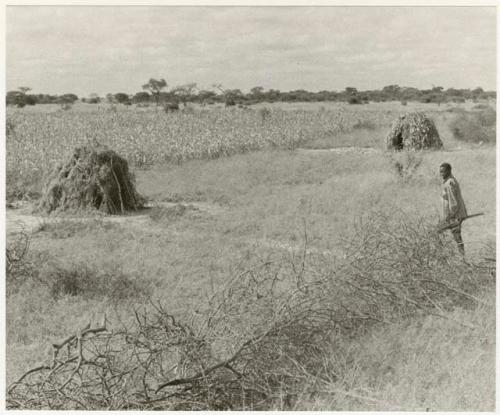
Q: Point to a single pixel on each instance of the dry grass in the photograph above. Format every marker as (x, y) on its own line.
(261, 335)
(429, 364)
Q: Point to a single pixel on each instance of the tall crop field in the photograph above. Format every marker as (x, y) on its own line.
(36, 141)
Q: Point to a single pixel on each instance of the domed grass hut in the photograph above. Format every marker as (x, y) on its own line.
(413, 131)
(95, 177)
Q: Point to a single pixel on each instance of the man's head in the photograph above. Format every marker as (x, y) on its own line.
(445, 170)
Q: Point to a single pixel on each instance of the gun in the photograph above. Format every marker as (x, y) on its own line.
(450, 225)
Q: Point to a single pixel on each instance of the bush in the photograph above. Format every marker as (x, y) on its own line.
(76, 279)
(79, 279)
(170, 107)
(405, 164)
(355, 100)
(19, 268)
(475, 127)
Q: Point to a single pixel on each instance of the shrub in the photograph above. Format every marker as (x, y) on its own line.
(170, 107)
(355, 100)
(405, 164)
(475, 127)
(18, 267)
(79, 279)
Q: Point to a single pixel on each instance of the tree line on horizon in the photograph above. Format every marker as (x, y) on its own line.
(154, 92)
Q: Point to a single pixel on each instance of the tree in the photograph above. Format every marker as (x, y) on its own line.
(67, 100)
(351, 90)
(94, 98)
(155, 86)
(140, 97)
(256, 92)
(24, 89)
(391, 92)
(121, 98)
(184, 92)
(230, 95)
(206, 96)
(273, 95)
(478, 93)
(15, 98)
(19, 97)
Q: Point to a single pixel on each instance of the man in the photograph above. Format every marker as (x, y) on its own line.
(454, 210)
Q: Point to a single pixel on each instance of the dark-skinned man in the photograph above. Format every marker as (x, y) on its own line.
(454, 211)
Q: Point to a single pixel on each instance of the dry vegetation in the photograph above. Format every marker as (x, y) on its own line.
(315, 281)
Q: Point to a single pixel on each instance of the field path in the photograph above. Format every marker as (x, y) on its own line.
(20, 219)
(340, 150)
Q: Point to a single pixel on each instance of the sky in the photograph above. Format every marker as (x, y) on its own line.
(91, 49)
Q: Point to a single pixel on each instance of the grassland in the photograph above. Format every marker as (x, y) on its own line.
(267, 198)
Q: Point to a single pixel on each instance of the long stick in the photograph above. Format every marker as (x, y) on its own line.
(453, 224)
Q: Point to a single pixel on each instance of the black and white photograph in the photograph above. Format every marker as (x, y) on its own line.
(249, 207)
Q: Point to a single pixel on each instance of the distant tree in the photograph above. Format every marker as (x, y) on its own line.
(155, 86)
(355, 99)
(410, 94)
(67, 100)
(24, 89)
(351, 90)
(184, 92)
(478, 93)
(257, 92)
(141, 97)
(19, 98)
(273, 95)
(94, 98)
(15, 98)
(205, 96)
(170, 107)
(121, 97)
(230, 95)
(45, 99)
(30, 99)
(391, 92)
(110, 98)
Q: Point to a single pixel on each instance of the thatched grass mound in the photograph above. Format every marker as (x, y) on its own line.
(95, 177)
(413, 131)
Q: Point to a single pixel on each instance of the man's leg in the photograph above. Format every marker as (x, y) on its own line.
(457, 235)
